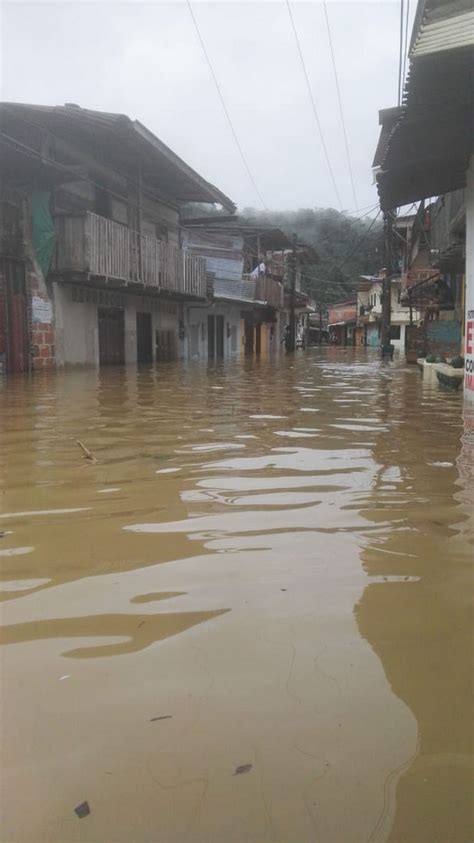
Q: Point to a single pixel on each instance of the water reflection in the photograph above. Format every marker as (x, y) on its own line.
(292, 596)
(140, 630)
(421, 632)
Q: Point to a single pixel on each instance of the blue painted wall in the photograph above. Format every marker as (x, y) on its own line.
(373, 339)
(443, 337)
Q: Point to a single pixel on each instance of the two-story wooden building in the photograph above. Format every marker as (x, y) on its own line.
(248, 276)
(92, 265)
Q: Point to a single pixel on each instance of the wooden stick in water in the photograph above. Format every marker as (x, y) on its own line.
(87, 454)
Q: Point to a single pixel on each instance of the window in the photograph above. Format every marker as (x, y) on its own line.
(233, 338)
(395, 332)
(103, 205)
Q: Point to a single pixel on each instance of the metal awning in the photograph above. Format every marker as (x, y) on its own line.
(449, 33)
(425, 149)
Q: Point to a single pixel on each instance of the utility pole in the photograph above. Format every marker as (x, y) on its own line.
(291, 338)
(386, 348)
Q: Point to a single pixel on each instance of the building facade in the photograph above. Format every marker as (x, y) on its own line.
(426, 149)
(93, 270)
(342, 320)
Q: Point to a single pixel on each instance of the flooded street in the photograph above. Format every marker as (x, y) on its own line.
(249, 619)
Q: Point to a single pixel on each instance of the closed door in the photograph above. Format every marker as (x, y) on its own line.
(219, 336)
(144, 338)
(13, 317)
(211, 337)
(111, 337)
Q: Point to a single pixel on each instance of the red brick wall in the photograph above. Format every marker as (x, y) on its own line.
(343, 313)
(42, 345)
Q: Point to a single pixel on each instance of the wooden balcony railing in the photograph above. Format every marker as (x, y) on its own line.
(106, 249)
(269, 290)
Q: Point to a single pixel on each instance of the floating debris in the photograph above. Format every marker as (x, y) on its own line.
(163, 717)
(244, 768)
(82, 810)
(88, 455)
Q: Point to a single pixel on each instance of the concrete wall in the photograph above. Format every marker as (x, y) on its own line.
(196, 329)
(76, 322)
(399, 344)
(77, 332)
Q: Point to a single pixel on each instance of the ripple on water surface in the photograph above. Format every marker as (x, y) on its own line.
(220, 599)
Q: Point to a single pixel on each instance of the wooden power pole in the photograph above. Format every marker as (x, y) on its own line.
(291, 339)
(387, 288)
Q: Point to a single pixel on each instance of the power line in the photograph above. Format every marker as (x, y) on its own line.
(313, 104)
(216, 83)
(352, 222)
(400, 55)
(341, 112)
(359, 243)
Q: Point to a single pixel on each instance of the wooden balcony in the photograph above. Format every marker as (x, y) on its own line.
(101, 248)
(269, 290)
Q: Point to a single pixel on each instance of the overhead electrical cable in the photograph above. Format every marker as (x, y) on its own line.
(313, 104)
(226, 112)
(359, 242)
(341, 111)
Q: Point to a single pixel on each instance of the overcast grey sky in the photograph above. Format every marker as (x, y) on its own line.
(144, 60)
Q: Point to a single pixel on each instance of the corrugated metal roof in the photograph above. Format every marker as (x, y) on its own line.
(123, 136)
(425, 153)
(450, 33)
(225, 269)
(235, 290)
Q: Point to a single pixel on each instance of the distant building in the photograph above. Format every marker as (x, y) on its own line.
(246, 306)
(342, 320)
(400, 312)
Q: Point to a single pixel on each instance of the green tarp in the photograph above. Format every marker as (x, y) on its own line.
(43, 229)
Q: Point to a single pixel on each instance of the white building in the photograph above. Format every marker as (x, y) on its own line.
(399, 313)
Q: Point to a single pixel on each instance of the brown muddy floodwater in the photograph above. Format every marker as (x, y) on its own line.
(267, 568)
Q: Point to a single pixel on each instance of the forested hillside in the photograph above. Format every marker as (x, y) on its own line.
(347, 246)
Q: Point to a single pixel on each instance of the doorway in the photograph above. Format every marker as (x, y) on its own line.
(111, 336)
(249, 334)
(144, 338)
(215, 337)
(219, 336)
(13, 317)
(211, 334)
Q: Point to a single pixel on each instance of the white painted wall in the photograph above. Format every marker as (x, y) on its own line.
(469, 326)
(196, 329)
(77, 330)
(399, 344)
